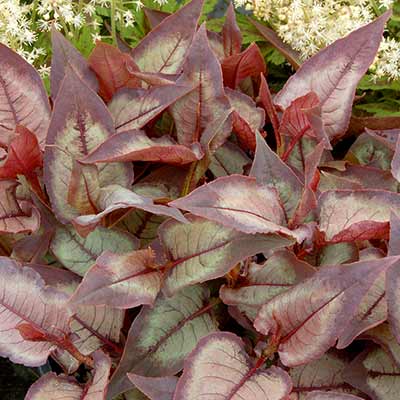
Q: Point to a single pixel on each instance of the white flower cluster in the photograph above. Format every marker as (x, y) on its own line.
(310, 25)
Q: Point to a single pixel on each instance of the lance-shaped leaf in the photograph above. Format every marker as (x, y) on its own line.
(228, 159)
(247, 118)
(16, 216)
(348, 215)
(333, 74)
(206, 103)
(269, 169)
(310, 316)
(219, 368)
(203, 250)
(256, 209)
(26, 303)
(66, 57)
(80, 122)
(23, 98)
(78, 254)
(164, 48)
(23, 155)
(135, 145)
(331, 396)
(59, 387)
(121, 281)
(154, 388)
(112, 69)
(161, 337)
(231, 35)
(237, 67)
(323, 375)
(279, 273)
(375, 374)
(134, 108)
(393, 298)
(115, 197)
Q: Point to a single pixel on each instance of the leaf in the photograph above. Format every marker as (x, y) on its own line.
(120, 281)
(256, 210)
(204, 106)
(115, 197)
(112, 69)
(135, 145)
(228, 159)
(16, 216)
(333, 74)
(279, 273)
(375, 374)
(59, 387)
(237, 67)
(269, 169)
(394, 240)
(78, 254)
(203, 250)
(219, 368)
(155, 388)
(231, 35)
(292, 56)
(80, 122)
(309, 325)
(331, 396)
(161, 337)
(134, 108)
(323, 376)
(26, 300)
(247, 118)
(164, 48)
(23, 98)
(348, 215)
(66, 58)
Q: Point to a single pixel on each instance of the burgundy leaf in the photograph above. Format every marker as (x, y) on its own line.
(121, 281)
(155, 388)
(135, 145)
(164, 48)
(231, 35)
(23, 98)
(333, 74)
(112, 69)
(204, 106)
(155, 17)
(394, 241)
(219, 368)
(65, 57)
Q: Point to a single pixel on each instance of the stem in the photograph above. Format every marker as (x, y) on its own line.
(113, 20)
(71, 349)
(34, 12)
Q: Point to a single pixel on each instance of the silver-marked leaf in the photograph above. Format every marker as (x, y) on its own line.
(204, 106)
(349, 215)
(333, 74)
(393, 298)
(161, 337)
(203, 250)
(25, 302)
(220, 369)
(324, 375)
(66, 57)
(23, 98)
(164, 48)
(310, 316)
(279, 273)
(137, 146)
(155, 388)
(331, 396)
(134, 108)
(338, 253)
(120, 280)
(80, 122)
(394, 240)
(375, 374)
(115, 197)
(237, 202)
(269, 169)
(16, 216)
(78, 254)
(62, 387)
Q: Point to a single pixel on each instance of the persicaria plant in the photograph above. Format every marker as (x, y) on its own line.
(172, 230)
